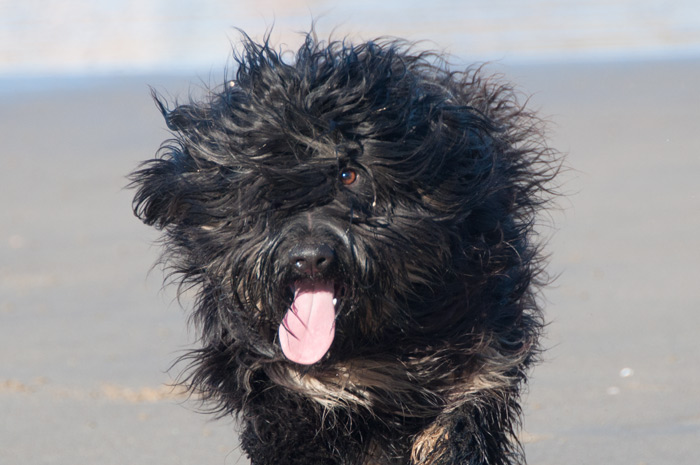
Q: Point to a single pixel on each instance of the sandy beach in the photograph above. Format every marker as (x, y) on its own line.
(88, 335)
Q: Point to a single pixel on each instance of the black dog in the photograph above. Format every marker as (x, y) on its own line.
(357, 222)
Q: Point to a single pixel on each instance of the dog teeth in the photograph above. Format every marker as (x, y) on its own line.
(335, 301)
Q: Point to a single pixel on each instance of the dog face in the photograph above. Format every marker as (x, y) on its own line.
(353, 202)
(357, 223)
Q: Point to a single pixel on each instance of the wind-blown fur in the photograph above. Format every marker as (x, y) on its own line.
(431, 250)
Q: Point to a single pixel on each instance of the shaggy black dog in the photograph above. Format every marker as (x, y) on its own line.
(357, 222)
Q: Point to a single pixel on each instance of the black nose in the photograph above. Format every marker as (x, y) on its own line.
(311, 259)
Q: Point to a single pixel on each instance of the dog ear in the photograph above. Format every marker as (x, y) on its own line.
(179, 119)
(161, 183)
(160, 198)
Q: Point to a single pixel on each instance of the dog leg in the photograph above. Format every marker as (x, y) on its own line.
(477, 436)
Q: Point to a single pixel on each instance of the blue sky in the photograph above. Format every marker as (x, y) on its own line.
(40, 37)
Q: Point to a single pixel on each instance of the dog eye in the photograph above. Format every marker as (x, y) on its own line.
(348, 176)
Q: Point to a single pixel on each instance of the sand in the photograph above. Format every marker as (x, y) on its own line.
(87, 335)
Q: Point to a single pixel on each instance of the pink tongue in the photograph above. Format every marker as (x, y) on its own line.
(308, 328)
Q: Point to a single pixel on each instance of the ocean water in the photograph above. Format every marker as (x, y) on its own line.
(54, 37)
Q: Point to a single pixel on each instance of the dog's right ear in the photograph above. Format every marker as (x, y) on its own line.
(158, 201)
(165, 192)
(178, 119)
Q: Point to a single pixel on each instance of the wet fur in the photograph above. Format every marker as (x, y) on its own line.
(437, 264)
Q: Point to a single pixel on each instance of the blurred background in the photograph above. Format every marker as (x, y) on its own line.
(49, 37)
(87, 334)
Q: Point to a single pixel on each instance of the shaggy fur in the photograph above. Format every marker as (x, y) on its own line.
(408, 189)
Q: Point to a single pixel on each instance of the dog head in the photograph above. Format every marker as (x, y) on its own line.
(349, 199)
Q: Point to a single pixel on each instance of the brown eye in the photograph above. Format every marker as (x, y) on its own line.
(348, 176)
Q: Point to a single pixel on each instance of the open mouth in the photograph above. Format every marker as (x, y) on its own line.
(308, 328)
